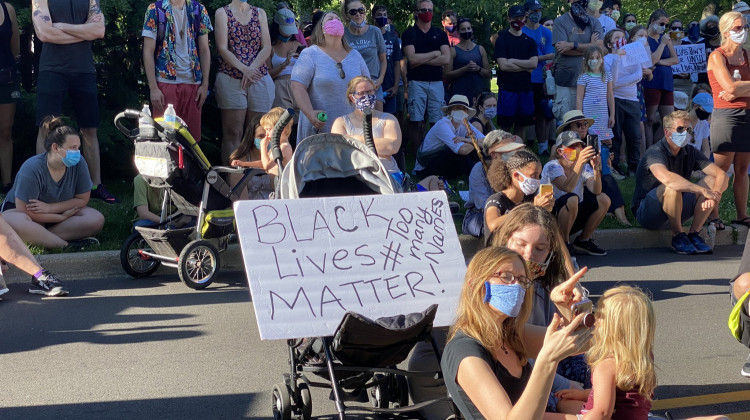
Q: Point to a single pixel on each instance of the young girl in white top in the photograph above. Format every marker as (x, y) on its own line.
(594, 95)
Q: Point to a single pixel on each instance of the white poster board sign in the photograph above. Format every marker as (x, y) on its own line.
(692, 59)
(309, 261)
(636, 53)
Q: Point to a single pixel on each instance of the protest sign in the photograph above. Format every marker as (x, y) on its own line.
(692, 59)
(635, 53)
(309, 261)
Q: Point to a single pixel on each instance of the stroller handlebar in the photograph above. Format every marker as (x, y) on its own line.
(134, 114)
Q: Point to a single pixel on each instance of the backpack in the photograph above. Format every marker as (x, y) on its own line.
(161, 24)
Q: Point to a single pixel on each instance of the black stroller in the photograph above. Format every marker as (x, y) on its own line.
(173, 161)
(359, 361)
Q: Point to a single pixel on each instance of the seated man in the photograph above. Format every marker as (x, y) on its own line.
(447, 149)
(665, 197)
(576, 208)
(14, 251)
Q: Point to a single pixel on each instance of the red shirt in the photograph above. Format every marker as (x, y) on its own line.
(629, 405)
(738, 103)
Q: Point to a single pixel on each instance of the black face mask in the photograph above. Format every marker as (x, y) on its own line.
(711, 32)
(467, 35)
(701, 114)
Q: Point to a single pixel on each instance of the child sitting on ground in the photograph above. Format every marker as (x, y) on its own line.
(248, 155)
(147, 202)
(268, 121)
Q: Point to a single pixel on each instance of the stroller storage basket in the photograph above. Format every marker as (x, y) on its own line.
(219, 223)
(168, 242)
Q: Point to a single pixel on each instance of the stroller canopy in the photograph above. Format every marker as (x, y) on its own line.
(334, 165)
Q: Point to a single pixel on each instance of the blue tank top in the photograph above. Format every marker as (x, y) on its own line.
(663, 79)
(6, 33)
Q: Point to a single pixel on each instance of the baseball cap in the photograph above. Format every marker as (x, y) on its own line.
(741, 6)
(567, 139)
(680, 100)
(532, 5)
(500, 138)
(705, 101)
(285, 19)
(516, 11)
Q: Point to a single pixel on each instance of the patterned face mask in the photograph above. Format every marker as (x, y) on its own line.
(364, 102)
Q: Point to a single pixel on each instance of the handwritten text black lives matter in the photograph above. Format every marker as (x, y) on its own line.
(405, 255)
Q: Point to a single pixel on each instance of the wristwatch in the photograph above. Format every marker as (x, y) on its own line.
(575, 45)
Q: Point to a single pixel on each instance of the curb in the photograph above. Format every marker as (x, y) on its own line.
(73, 266)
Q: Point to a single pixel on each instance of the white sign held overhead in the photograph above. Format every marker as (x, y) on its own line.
(309, 261)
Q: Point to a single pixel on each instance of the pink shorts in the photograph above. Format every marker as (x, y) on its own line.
(182, 97)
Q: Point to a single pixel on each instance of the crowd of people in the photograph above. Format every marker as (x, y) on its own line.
(598, 115)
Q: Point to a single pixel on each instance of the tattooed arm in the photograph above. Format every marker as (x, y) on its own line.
(91, 30)
(40, 17)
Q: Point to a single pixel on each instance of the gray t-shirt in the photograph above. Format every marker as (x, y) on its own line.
(34, 182)
(370, 44)
(568, 67)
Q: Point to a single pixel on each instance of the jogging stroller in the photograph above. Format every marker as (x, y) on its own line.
(359, 361)
(173, 161)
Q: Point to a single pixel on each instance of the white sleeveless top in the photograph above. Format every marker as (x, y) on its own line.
(276, 61)
(377, 131)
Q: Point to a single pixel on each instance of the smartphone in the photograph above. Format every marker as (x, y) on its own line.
(585, 306)
(593, 141)
(544, 189)
(300, 48)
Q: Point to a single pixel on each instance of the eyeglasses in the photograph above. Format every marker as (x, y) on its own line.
(509, 278)
(363, 93)
(680, 129)
(424, 10)
(355, 12)
(340, 68)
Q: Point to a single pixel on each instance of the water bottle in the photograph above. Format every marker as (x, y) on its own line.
(146, 130)
(711, 234)
(550, 81)
(736, 75)
(170, 118)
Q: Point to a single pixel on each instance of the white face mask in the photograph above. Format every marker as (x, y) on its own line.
(659, 29)
(458, 116)
(529, 185)
(738, 37)
(680, 139)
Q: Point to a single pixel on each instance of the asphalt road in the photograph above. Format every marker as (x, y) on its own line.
(152, 348)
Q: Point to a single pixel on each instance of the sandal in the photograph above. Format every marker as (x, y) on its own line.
(718, 223)
(743, 222)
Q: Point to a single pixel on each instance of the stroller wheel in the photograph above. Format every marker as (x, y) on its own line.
(132, 262)
(282, 406)
(380, 393)
(306, 399)
(198, 264)
(401, 393)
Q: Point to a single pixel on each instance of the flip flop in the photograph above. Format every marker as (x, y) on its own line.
(718, 223)
(743, 222)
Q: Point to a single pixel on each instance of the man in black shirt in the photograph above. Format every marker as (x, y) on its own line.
(515, 52)
(427, 51)
(664, 195)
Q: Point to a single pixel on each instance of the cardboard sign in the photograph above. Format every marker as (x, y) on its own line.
(692, 59)
(309, 261)
(636, 53)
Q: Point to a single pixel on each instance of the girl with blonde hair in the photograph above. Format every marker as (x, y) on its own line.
(485, 363)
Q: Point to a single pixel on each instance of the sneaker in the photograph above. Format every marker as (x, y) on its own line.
(700, 246)
(81, 244)
(746, 368)
(100, 192)
(588, 247)
(618, 174)
(47, 284)
(681, 244)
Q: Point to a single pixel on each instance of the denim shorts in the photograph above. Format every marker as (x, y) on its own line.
(650, 213)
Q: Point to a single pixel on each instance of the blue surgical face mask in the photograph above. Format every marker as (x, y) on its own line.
(490, 112)
(257, 143)
(506, 298)
(534, 17)
(680, 139)
(72, 157)
(358, 25)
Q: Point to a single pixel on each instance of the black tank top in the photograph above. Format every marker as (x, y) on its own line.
(6, 33)
(70, 58)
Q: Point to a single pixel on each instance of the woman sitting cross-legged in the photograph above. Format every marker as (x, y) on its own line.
(47, 204)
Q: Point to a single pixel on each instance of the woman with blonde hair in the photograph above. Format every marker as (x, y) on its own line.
(485, 363)
(321, 75)
(386, 132)
(730, 119)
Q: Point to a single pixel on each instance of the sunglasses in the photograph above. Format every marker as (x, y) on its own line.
(509, 278)
(738, 28)
(677, 28)
(680, 129)
(424, 10)
(355, 12)
(340, 68)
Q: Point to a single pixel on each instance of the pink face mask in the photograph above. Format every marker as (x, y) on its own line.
(333, 27)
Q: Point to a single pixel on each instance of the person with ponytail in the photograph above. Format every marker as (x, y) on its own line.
(47, 205)
(321, 75)
(368, 40)
(515, 181)
(386, 132)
